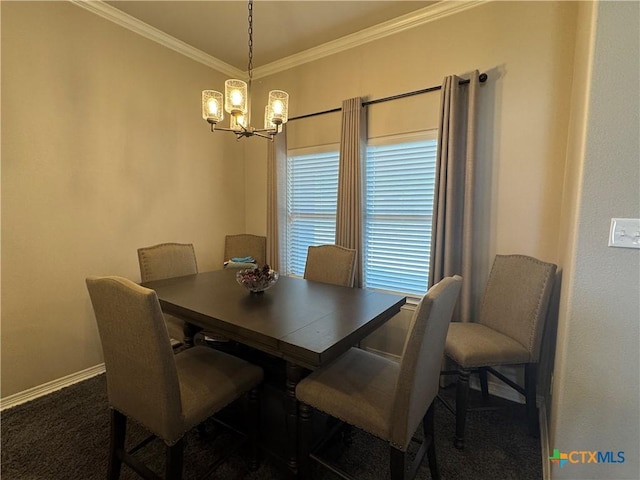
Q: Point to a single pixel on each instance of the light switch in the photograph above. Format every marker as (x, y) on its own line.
(625, 233)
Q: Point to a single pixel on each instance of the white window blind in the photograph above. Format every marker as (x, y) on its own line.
(399, 180)
(399, 175)
(311, 199)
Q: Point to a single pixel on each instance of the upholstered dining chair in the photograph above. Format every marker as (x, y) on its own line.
(165, 393)
(386, 398)
(330, 264)
(245, 245)
(508, 331)
(167, 260)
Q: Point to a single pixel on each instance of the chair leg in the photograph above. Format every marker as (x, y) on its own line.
(530, 381)
(346, 434)
(484, 384)
(462, 397)
(190, 331)
(398, 460)
(173, 466)
(116, 444)
(304, 440)
(203, 433)
(254, 428)
(428, 424)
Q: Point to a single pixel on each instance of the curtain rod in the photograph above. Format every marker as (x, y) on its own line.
(482, 78)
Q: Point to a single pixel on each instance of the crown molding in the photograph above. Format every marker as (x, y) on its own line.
(411, 20)
(391, 27)
(131, 23)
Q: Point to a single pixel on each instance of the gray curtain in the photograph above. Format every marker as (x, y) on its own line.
(353, 137)
(453, 217)
(276, 156)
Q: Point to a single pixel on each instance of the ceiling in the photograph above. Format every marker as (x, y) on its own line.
(280, 28)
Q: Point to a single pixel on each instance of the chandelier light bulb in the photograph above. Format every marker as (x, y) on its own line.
(278, 106)
(212, 106)
(235, 96)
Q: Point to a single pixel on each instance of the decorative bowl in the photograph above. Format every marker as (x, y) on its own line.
(258, 279)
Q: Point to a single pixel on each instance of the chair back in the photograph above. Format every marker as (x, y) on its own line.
(516, 299)
(167, 260)
(331, 264)
(245, 244)
(419, 375)
(142, 380)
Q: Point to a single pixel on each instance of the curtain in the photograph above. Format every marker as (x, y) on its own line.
(353, 137)
(452, 234)
(276, 157)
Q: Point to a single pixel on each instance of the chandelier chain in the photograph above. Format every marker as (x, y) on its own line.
(250, 64)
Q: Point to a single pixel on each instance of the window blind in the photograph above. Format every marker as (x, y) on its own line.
(312, 194)
(399, 189)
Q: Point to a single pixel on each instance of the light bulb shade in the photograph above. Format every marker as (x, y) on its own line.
(235, 97)
(278, 107)
(268, 124)
(237, 122)
(212, 110)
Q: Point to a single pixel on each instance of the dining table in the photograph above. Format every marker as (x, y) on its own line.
(306, 323)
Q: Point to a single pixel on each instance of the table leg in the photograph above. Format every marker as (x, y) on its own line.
(294, 375)
(189, 331)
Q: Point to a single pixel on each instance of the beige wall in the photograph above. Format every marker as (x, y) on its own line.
(595, 403)
(103, 151)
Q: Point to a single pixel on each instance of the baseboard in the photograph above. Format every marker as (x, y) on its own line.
(50, 387)
(544, 441)
(498, 389)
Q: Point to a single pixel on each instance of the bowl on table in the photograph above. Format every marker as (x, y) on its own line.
(257, 279)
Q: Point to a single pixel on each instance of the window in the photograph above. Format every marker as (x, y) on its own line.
(398, 207)
(311, 203)
(399, 175)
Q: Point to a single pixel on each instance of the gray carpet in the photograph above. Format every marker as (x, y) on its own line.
(65, 436)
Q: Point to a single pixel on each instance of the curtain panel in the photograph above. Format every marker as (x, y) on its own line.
(353, 138)
(276, 157)
(453, 217)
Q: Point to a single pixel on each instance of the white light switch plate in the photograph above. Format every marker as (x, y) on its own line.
(625, 233)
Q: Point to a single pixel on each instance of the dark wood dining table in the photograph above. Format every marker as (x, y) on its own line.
(306, 323)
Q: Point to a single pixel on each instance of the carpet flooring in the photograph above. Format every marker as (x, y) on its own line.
(65, 435)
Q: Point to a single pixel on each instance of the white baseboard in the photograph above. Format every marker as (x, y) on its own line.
(50, 387)
(498, 389)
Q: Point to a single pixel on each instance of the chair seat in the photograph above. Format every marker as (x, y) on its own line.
(203, 390)
(473, 345)
(356, 388)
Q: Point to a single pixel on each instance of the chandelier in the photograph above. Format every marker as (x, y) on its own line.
(237, 103)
